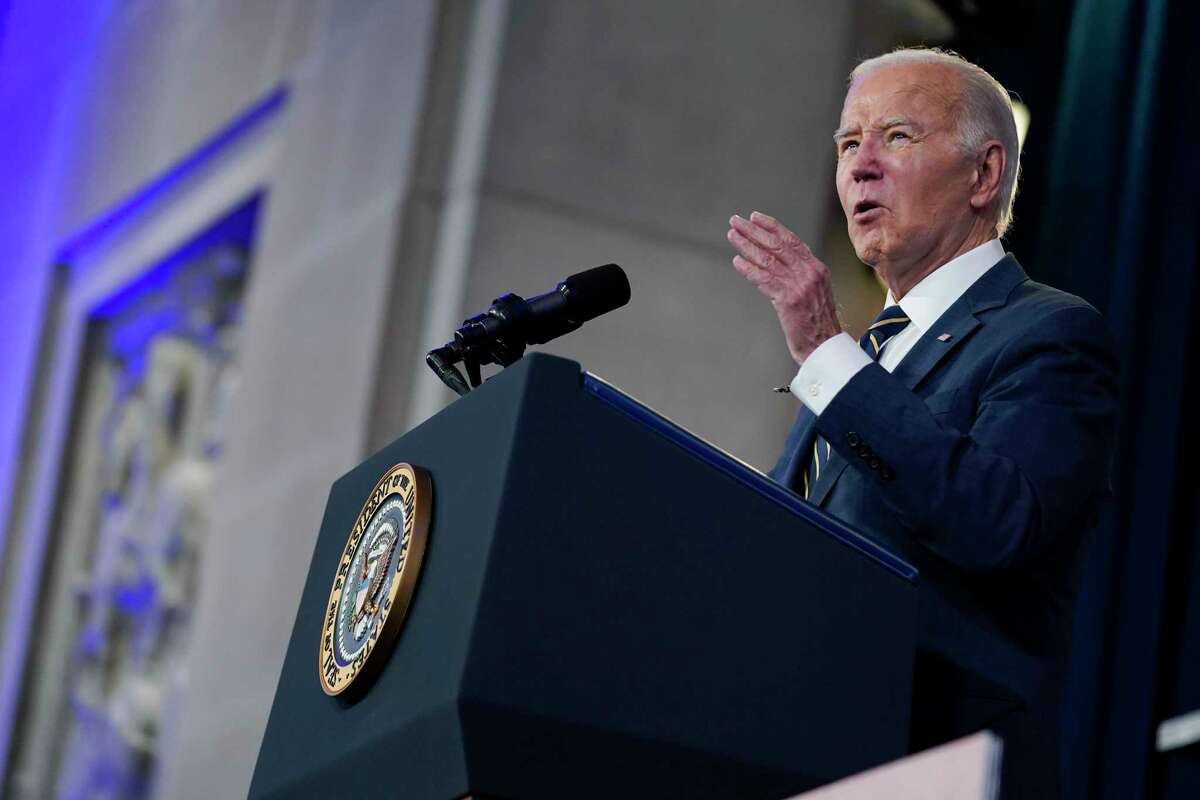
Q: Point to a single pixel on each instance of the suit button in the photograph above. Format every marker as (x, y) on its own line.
(864, 451)
(853, 439)
(886, 473)
(874, 462)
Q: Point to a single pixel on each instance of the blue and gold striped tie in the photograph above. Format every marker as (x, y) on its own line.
(890, 321)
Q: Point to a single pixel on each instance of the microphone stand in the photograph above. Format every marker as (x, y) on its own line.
(480, 341)
(442, 360)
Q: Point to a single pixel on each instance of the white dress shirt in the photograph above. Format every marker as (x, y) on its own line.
(836, 361)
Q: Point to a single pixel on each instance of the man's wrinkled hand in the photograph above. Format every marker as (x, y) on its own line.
(795, 281)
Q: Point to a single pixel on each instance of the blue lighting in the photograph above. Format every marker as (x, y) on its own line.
(157, 308)
(136, 598)
(136, 204)
(51, 65)
(235, 228)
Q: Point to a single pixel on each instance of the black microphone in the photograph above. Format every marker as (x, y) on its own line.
(581, 297)
(500, 334)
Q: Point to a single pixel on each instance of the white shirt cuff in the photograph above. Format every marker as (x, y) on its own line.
(827, 370)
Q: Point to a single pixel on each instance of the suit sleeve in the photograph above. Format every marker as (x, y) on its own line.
(1037, 453)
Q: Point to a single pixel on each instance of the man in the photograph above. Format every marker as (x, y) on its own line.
(972, 431)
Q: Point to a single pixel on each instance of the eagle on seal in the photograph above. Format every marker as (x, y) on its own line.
(374, 571)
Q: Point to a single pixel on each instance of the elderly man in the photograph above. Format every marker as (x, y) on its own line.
(971, 428)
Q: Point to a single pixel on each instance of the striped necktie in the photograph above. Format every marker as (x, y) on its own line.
(890, 321)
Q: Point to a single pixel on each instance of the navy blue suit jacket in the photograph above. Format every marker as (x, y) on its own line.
(981, 459)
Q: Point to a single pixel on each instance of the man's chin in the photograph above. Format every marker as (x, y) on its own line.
(867, 243)
(868, 252)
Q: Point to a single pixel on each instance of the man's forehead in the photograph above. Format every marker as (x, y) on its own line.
(910, 90)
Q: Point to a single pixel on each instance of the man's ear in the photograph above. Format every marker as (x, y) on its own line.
(989, 173)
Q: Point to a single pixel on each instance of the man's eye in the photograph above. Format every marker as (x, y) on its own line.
(849, 146)
(898, 136)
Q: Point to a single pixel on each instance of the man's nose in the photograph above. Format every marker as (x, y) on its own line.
(866, 172)
(866, 161)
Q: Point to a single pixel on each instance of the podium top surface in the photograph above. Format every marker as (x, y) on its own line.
(746, 475)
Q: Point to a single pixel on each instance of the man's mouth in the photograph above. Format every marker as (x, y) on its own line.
(866, 210)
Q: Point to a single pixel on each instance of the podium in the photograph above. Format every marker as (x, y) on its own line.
(607, 607)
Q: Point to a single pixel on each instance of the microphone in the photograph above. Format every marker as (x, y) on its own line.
(500, 334)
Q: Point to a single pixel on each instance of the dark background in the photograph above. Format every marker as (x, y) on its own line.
(1108, 210)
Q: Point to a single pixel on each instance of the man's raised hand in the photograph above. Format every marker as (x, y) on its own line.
(795, 281)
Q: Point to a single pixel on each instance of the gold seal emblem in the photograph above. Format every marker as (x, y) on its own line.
(375, 579)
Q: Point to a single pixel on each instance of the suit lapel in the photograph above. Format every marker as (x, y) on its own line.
(950, 331)
(959, 321)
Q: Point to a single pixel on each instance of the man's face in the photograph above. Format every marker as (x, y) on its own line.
(903, 182)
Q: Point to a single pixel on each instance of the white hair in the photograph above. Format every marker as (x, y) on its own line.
(983, 110)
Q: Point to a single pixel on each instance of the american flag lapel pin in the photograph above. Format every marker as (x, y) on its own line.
(945, 337)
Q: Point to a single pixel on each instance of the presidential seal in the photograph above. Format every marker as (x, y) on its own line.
(375, 579)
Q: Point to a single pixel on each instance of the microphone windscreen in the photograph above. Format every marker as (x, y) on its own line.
(596, 291)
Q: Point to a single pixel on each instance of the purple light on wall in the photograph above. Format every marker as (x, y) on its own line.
(130, 339)
(236, 228)
(34, 147)
(48, 61)
(140, 201)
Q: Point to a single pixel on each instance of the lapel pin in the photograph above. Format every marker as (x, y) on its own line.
(945, 337)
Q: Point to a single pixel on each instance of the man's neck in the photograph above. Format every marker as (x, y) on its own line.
(901, 278)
